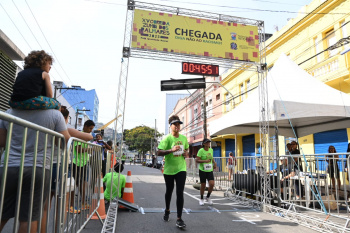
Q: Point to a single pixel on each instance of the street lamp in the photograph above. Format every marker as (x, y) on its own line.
(77, 103)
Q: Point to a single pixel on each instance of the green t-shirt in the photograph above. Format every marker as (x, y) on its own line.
(108, 180)
(80, 159)
(204, 155)
(173, 165)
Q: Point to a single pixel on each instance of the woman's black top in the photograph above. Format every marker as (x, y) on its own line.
(29, 84)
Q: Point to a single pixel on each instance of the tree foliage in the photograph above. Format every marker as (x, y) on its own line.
(139, 138)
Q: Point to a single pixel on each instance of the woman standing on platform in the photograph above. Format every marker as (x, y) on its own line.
(174, 148)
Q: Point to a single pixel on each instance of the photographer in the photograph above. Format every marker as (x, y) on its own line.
(99, 141)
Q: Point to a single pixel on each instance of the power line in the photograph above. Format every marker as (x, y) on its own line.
(25, 21)
(16, 27)
(254, 9)
(47, 40)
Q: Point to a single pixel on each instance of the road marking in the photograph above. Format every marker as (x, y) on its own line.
(191, 196)
(246, 220)
(214, 209)
(186, 211)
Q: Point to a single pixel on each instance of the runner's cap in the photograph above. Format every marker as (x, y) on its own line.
(205, 141)
(176, 121)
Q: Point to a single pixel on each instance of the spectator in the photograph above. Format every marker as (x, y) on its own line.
(154, 161)
(287, 172)
(333, 168)
(32, 89)
(80, 159)
(289, 149)
(51, 119)
(131, 161)
(297, 168)
(123, 158)
(109, 186)
(174, 148)
(231, 163)
(346, 161)
(99, 141)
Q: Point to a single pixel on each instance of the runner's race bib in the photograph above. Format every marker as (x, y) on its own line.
(208, 166)
(179, 152)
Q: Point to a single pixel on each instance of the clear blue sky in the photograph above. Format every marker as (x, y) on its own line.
(86, 39)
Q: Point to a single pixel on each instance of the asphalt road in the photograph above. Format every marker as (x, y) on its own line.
(223, 216)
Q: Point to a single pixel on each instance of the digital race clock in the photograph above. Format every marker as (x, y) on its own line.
(200, 69)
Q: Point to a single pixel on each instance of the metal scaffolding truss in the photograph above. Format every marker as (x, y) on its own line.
(111, 219)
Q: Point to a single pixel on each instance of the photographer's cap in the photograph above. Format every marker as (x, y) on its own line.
(176, 121)
(205, 141)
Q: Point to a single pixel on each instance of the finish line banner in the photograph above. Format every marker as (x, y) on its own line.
(187, 35)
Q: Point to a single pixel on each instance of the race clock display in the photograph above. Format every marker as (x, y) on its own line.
(200, 69)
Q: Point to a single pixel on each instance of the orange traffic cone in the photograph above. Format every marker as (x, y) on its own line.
(101, 209)
(128, 190)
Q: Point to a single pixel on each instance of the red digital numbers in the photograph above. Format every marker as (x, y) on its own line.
(200, 69)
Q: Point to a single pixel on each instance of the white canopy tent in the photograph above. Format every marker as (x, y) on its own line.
(309, 104)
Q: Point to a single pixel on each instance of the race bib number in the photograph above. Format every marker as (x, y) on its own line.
(180, 151)
(208, 166)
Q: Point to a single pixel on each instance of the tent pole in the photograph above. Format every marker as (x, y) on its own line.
(278, 166)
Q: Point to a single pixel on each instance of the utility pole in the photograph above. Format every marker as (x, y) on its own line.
(62, 88)
(76, 115)
(204, 116)
(155, 137)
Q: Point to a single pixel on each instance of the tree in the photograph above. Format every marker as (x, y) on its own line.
(139, 138)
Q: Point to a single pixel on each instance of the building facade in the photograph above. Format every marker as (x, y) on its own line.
(304, 40)
(8, 69)
(80, 99)
(190, 111)
(171, 100)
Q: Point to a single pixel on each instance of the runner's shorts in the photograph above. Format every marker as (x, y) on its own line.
(203, 176)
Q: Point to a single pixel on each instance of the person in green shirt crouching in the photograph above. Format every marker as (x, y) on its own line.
(113, 186)
(206, 166)
(174, 147)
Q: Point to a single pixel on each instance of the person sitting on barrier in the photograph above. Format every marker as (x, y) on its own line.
(50, 119)
(231, 162)
(114, 176)
(174, 147)
(80, 174)
(206, 166)
(286, 171)
(32, 89)
(333, 168)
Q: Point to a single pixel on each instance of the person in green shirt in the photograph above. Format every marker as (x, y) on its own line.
(113, 186)
(123, 158)
(79, 168)
(206, 166)
(174, 147)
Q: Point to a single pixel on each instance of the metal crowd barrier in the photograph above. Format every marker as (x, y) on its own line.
(22, 177)
(48, 206)
(222, 172)
(82, 184)
(297, 187)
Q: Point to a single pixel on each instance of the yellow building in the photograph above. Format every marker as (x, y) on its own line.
(318, 25)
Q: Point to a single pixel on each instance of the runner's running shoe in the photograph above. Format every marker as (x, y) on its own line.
(180, 223)
(166, 215)
(201, 202)
(207, 199)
